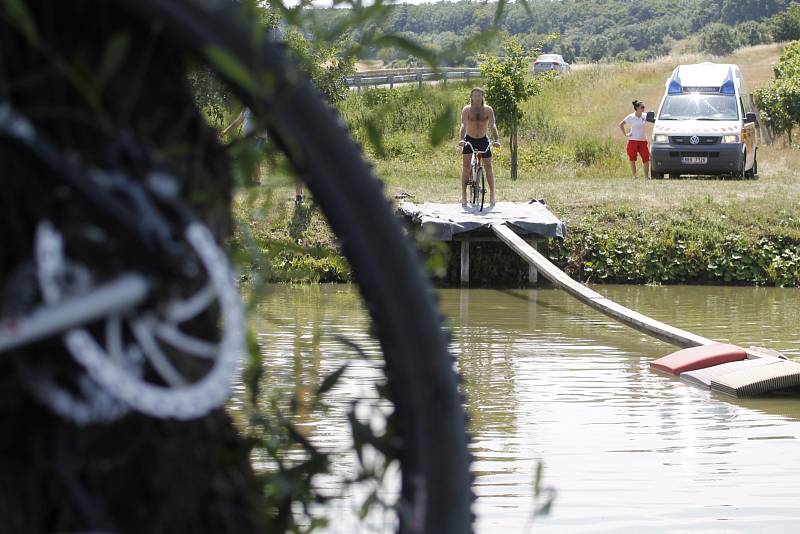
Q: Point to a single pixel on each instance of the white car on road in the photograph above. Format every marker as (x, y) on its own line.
(548, 62)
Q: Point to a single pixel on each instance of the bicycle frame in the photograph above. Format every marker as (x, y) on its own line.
(475, 163)
(477, 155)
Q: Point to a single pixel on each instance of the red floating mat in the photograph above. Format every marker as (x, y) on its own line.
(698, 358)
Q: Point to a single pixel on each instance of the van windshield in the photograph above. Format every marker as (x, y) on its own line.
(699, 107)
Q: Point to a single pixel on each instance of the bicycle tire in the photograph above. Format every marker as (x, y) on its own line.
(482, 175)
(473, 187)
(434, 458)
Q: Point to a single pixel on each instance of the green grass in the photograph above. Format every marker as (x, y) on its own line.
(277, 241)
(572, 154)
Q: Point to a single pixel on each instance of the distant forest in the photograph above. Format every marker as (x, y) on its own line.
(588, 30)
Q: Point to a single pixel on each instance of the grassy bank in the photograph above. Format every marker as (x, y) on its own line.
(572, 155)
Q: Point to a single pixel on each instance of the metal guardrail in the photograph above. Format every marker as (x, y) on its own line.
(376, 78)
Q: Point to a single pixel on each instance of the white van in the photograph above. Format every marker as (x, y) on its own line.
(706, 124)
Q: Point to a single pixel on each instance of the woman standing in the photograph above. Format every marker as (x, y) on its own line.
(637, 144)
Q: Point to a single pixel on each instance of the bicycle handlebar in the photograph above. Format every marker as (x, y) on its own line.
(467, 143)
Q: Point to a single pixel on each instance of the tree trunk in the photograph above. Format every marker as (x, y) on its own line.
(513, 144)
(138, 474)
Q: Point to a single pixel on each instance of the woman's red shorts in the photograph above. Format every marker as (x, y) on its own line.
(638, 147)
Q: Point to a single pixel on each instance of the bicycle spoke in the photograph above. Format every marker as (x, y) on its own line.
(191, 345)
(114, 340)
(142, 331)
(180, 311)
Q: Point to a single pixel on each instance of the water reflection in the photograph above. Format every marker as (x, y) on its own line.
(547, 378)
(628, 450)
(299, 333)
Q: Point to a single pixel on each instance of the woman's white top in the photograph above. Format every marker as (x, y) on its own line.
(637, 125)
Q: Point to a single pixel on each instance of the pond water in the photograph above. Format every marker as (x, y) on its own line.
(547, 379)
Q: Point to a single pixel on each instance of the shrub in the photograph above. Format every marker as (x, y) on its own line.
(718, 39)
(779, 102)
(786, 26)
(589, 150)
(753, 33)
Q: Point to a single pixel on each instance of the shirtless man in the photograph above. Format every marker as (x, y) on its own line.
(476, 120)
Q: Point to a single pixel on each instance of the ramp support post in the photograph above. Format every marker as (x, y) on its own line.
(533, 272)
(464, 262)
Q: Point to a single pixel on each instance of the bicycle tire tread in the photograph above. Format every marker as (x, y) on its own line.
(436, 467)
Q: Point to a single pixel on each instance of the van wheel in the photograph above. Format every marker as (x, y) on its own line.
(742, 172)
(674, 175)
(752, 174)
(657, 175)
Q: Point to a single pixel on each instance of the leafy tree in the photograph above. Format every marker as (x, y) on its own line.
(753, 33)
(786, 25)
(324, 62)
(779, 105)
(596, 48)
(507, 86)
(789, 62)
(588, 27)
(718, 39)
(210, 94)
(779, 102)
(735, 11)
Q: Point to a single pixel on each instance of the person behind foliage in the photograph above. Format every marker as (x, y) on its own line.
(259, 142)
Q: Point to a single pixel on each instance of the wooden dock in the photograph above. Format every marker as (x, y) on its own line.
(467, 225)
(505, 222)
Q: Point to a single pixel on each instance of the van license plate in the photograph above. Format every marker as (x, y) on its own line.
(694, 160)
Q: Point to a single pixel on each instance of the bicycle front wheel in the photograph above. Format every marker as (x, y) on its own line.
(473, 187)
(434, 461)
(482, 176)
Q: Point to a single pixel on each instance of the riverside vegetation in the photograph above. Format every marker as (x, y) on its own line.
(691, 230)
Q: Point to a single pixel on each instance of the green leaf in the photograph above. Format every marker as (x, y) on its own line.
(537, 479)
(254, 369)
(298, 437)
(21, 17)
(353, 346)
(359, 15)
(498, 12)
(370, 501)
(375, 136)
(412, 47)
(331, 380)
(441, 126)
(113, 55)
(479, 39)
(230, 67)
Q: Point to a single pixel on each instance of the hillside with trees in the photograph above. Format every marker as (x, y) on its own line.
(584, 30)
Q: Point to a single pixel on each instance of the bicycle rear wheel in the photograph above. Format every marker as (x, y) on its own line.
(434, 460)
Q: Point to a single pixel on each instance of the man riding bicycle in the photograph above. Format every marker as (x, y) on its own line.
(476, 120)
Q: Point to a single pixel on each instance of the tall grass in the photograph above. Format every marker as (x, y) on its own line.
(569, 133)
(572, 154)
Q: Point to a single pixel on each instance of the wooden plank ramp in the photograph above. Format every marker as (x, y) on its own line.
(638, 321)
